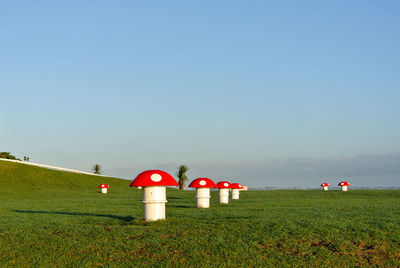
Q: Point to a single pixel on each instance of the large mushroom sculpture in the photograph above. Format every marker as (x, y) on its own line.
(224, 188)
(104, 188)
(203, 186)
(344, 185)
(236, 187)
(153, 183)
(325, 186)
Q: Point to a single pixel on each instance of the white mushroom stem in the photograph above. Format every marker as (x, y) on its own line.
(325, 188)
(224, 195)
(154, 199)
(103, 190)
(344, 188)
(235, 193)
(203, 197)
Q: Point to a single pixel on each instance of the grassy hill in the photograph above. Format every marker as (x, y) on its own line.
(50, 218)
(18, 178)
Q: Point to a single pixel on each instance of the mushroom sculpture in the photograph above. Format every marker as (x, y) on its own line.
(203, 186)
(153, 183)
(344, 185)
(104, 188)
(325, 186)
(224, 187)
(236, 187)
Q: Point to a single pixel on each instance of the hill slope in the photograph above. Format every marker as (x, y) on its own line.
(16, 178)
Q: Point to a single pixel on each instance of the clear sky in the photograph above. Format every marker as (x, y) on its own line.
(268, 93)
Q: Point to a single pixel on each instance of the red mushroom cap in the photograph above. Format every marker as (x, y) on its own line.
(344, 183)
(236, 186)
(325, 184)
(224, 184)
(153, 178)
(104, 186)
(202, 183)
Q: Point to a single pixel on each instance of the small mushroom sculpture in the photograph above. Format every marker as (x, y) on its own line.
(325, 186)
(203, 186)
(104, 188)
(153, 183)
(224, 188)
(236, 187)
(344, 185)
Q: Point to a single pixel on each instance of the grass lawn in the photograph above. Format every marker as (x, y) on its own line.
(51, 218)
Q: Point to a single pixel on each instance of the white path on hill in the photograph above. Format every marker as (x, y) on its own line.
(52, 167)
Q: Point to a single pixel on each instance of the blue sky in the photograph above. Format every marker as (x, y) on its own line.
(268, 93)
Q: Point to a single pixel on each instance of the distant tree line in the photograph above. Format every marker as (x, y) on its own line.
(8, 155)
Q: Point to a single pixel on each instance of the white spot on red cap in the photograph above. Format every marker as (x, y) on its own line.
(156, 177)
(202, 182)
(226, 184)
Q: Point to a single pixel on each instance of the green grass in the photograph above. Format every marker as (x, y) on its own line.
(51, 218)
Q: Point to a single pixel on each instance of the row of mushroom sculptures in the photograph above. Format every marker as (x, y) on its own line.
(154, 182)
(204, 185)
(342, 184)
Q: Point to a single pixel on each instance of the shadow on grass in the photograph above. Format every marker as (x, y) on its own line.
(179, 206)
(174, 197)
(122, 218)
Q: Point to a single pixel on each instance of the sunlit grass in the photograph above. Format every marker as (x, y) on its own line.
(64, 221)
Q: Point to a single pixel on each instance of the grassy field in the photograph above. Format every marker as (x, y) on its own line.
(51, 218)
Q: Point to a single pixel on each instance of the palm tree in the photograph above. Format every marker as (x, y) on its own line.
(182, 176)
(96, 169)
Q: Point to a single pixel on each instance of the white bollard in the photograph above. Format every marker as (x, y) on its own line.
(235, 193)
(154, 199)
(203, 197)
(344, 185)
(224, 188)
(153, 183)
(325, 186)
(236, 187)
(104, 188)
(224, 195)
